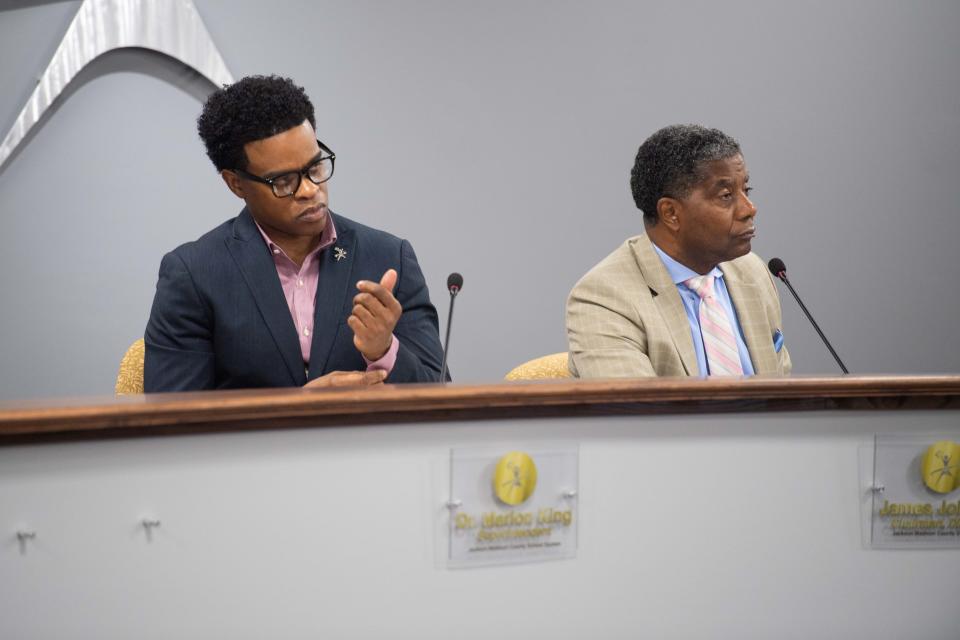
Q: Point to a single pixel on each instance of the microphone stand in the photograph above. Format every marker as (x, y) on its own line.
(783, 276)
(446, 343)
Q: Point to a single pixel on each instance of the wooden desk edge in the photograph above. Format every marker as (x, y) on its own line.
(161, 414)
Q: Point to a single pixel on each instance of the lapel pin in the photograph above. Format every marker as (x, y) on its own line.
(339, 254)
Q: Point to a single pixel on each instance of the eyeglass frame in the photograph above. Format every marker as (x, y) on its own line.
(300, 172)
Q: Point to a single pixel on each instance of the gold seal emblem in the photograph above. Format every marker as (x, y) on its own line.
(514, 478)
(941, 466)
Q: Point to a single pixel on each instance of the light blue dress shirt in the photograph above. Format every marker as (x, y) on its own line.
(691, 304)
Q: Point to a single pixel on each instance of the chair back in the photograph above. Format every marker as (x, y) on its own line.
(553, 366)
(130, 375)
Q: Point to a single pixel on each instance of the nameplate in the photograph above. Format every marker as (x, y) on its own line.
(916, 492)
(512, 505)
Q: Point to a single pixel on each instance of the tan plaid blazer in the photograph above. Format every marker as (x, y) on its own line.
(625, 318)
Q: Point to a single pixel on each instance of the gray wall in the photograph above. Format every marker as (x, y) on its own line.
(497, 137)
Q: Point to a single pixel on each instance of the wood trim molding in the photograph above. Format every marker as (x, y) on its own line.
(158, 414)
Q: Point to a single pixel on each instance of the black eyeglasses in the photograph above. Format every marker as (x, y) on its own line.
(287, 184)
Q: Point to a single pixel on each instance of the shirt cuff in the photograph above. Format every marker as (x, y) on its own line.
(388, 360)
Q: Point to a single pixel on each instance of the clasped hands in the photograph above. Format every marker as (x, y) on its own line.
(375, 314)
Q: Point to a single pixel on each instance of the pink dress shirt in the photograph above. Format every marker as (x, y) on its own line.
(300, 289)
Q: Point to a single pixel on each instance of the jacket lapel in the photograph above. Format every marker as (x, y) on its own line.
(336, 277)
(667, 301)
(255, 263)
(753, 320)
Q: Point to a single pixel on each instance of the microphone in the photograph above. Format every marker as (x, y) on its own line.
(454, 284)
(779, 269)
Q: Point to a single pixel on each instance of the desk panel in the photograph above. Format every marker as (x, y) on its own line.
(698, 525)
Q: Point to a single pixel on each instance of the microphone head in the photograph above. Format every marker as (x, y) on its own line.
(454, 282)
(777, 267)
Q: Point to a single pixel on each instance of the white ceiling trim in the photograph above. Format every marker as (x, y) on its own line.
(171, 27)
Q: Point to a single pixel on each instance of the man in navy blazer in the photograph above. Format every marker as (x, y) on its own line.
(287, 293)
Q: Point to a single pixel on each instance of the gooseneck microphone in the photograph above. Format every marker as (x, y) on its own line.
(779, 269)
(454, 284)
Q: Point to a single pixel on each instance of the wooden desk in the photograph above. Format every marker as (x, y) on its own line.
(706, 509)
(177, 413)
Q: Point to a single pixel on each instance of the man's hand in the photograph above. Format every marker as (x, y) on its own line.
(348, 379)
(375, 314)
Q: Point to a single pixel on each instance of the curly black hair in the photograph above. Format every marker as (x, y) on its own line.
(252, 108)
(672, 161)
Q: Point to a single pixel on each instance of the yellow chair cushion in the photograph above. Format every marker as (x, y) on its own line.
(544, 368)
(130, 376)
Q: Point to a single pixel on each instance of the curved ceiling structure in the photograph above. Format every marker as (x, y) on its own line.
(171, 27)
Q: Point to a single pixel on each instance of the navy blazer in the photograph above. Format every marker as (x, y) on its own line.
(220, 320)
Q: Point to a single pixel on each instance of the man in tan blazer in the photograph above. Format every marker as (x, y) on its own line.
(638, 312)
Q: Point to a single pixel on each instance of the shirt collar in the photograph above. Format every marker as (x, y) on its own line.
(328, 237)
(680, 273)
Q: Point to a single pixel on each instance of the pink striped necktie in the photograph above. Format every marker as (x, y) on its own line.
(723, 358)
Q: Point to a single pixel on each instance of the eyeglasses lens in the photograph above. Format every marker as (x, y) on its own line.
(288, 183)
(320, 172)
